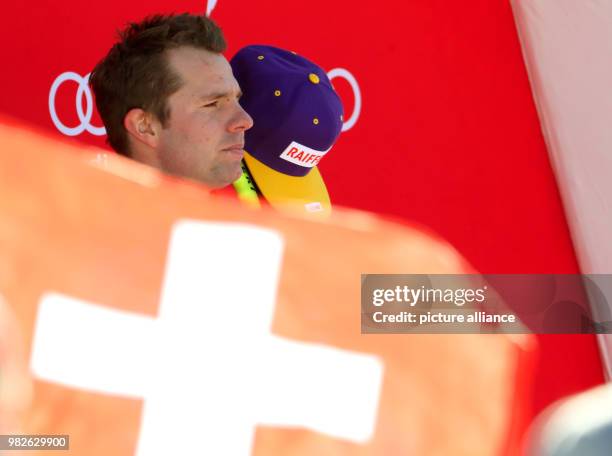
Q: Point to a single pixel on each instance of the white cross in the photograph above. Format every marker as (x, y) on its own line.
(208, 367)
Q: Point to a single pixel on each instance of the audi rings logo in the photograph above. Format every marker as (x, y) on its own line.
(84, 117)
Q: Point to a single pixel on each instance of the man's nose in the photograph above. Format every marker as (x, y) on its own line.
(241, 121)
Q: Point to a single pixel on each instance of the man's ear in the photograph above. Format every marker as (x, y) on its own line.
(142, 126)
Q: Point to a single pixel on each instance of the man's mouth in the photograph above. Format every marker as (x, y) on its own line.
(235, 149)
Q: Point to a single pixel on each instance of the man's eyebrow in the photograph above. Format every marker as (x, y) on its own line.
(217, 95)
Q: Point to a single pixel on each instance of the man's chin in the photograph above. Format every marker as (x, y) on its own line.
(230, 175)
(237, 172)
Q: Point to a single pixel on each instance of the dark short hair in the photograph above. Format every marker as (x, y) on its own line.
(135, 72)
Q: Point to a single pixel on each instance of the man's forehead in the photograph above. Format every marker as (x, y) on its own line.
(201, 68)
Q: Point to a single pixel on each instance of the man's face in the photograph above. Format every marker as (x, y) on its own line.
(204, 136)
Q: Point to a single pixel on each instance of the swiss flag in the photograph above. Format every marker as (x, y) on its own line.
(150, 317)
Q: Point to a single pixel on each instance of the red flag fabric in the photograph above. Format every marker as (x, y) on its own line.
(137, 297)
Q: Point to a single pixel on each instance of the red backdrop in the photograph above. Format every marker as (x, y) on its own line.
(447, 137)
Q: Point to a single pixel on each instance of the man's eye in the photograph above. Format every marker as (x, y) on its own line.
(212, 104)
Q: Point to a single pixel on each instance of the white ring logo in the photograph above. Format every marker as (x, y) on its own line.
(342, 73)
(84, 117)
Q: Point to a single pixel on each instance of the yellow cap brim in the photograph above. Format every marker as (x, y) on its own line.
(284, 192)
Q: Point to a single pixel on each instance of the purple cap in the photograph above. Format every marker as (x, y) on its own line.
(296, 112)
